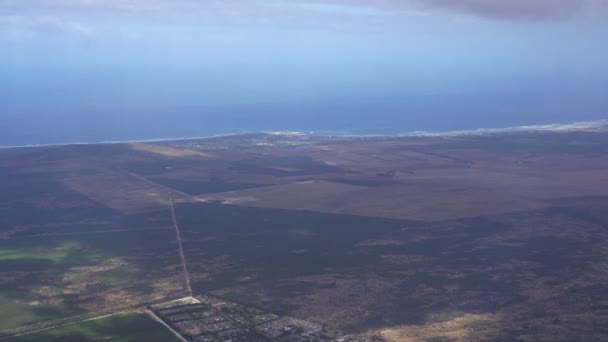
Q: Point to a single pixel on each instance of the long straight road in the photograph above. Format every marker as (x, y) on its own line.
(181, 248)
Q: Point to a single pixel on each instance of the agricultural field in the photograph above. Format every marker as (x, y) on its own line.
(438, 238)
(120, 328)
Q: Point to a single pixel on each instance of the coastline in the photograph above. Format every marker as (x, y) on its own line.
(581, 126)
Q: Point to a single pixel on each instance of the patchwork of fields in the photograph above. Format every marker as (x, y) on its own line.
(399, 239)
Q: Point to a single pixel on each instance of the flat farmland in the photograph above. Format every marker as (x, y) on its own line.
(455, 238)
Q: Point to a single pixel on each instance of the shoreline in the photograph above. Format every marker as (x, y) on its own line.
(581, 126)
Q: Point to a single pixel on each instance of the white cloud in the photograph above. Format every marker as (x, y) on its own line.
(43, 24)
(293, 12)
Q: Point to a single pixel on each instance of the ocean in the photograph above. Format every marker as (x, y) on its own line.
(91, 125)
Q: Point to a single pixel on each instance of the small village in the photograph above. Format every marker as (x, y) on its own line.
(210, 319)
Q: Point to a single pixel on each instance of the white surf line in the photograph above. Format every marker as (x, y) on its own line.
(143, 140)
(580, 126)
(181, 248)
(159, 320)
(64, 324)
(559, 127)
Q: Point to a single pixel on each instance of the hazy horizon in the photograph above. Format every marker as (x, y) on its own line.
(89, 70)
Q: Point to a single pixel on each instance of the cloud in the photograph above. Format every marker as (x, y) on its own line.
(59, 25)
(273, 11)
(238, 13)
(496, 9)
(521, 9)
(18, 26)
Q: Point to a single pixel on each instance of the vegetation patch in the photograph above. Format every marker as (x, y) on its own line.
(57, 254)
(119, 328)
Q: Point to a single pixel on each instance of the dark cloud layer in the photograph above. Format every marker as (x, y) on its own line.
(528, 9)
(501, 9)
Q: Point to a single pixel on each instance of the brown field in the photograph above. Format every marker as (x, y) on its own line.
(169, 151)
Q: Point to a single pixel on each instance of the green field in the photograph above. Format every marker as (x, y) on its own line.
(18, 312)
(120, 328)
(41, 262)
(51, 278)
(54, 254)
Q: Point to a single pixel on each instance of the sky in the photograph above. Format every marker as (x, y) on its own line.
(94, 70)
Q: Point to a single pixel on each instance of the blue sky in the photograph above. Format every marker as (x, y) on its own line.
(103, 67)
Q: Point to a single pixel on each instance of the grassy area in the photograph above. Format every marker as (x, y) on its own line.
(51, 279)
(56, 254)
(17, 312)
(54, 277)
(120, 328)
(43, 265)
